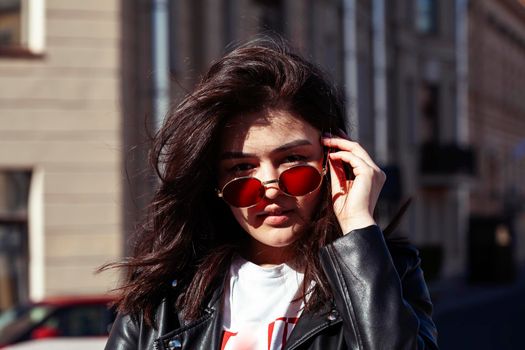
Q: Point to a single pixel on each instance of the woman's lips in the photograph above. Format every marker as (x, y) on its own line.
(277, 218)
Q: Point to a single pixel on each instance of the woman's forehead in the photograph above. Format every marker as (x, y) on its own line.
(269, 128)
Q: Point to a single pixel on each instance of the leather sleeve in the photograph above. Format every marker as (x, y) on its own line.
(124, 334)
(380, 294)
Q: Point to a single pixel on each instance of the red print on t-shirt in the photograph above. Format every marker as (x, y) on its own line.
(225, 337)
(271, 326)
(273, 332)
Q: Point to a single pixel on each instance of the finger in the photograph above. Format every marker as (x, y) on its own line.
(359, 165)
(347, 145)
(351, 146)
(369, 180)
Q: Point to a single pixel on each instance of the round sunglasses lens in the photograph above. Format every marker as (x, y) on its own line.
(243, 193)
(299, 180)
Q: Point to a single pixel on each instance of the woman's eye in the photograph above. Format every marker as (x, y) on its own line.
(241, 167)
(294, 158)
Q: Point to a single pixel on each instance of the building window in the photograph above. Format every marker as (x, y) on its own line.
(411, 112)
(14, 251)
(10, 23)
(426, 16)
(22, 27)
(429, 112)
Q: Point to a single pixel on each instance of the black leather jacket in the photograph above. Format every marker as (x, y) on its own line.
(381, 301)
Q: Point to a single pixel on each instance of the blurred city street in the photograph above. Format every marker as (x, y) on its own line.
(481, 317)
(434, 91)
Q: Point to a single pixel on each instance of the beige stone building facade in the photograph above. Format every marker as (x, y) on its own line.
(60, 147)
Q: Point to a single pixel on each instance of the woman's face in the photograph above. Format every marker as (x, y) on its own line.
(263, 145)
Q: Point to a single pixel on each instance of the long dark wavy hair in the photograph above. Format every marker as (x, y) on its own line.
(190, 234)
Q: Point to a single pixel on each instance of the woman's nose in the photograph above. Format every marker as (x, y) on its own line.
(271, 183)
(272, 189)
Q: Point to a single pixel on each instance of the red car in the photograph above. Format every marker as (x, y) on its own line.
(75, 316)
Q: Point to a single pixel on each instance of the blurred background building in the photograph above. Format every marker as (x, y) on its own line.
(409, 70)
(496, 126)
(60, 147)
(435, 92)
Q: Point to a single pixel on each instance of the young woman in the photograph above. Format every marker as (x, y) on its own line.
(260, 236)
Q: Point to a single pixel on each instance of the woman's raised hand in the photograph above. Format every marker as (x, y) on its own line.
(354, 199)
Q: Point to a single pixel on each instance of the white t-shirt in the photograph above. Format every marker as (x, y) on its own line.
(259, 311)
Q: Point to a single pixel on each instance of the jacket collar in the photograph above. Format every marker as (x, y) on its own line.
(203, 333)
(206, 332)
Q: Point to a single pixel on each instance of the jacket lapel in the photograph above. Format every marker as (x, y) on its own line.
(311, 324)
(202, 334)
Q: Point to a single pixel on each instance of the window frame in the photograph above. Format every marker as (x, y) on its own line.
(16, 222)
(32, 41)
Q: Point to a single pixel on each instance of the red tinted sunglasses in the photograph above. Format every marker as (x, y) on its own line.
(247, 191)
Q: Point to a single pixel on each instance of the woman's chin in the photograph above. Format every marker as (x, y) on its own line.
(271, 247)
(276, 236)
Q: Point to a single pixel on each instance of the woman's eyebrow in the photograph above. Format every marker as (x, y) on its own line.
(293, 144)
(282, 148)
(235, 155)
